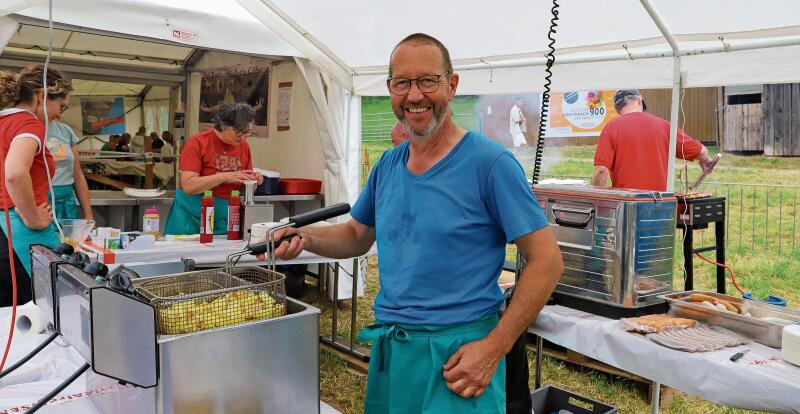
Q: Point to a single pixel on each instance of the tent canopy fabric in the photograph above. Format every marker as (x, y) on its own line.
(484, 38)
(496, 47)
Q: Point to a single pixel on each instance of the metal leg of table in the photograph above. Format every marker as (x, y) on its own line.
(655, 396)
(333, 341)
(719, 234)
(335, 300)
(354, 296)
(538, 375)
(688, 266)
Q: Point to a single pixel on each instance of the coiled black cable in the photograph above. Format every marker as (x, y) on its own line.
(537, 162)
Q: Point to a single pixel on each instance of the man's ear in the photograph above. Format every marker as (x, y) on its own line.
(453, 85)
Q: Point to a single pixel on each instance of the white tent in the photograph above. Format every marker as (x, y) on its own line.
(343, 47)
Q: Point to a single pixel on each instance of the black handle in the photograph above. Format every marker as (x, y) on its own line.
(263, 247)
(324, 213)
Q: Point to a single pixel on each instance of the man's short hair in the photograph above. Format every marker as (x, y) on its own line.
(622, 95)
(424, 39)
(238, 116)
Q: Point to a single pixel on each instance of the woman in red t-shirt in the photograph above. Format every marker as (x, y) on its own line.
(26, 165)
(218, 160)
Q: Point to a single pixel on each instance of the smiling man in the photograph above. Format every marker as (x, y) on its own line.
(442, 206)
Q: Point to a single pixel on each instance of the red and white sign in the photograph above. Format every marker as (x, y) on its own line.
(183, 35)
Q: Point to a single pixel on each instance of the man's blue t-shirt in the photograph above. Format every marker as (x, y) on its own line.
(442, 234)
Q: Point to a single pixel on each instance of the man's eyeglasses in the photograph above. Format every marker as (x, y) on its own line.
(64, 107)
(427, 84)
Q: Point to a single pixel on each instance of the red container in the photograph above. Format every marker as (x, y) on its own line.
(234, 216)
(300, 186)
(207, 218)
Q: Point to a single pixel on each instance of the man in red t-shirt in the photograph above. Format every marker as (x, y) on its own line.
(633, 149)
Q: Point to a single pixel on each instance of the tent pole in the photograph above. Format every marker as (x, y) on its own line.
(676, 90)
(673, 122)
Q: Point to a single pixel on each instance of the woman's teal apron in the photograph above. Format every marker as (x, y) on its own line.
(65, 205)
(405, 369)
(184, 216)
(23, 237)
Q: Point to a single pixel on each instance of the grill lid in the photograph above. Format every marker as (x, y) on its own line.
(602, 192)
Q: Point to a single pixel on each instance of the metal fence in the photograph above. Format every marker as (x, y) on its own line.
(759, 218)
(376, 127)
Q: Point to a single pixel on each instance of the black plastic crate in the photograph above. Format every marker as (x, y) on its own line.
(550, 400)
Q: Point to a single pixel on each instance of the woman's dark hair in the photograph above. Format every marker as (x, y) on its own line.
(157, 143)
(238, 116)
(21, 88)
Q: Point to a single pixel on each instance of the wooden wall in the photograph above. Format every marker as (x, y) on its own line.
(743, 128)
(699, 115)
(782, 120)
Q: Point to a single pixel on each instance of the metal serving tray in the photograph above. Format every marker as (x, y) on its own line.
(761, 331)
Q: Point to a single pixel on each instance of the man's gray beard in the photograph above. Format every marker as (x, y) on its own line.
(434, 126)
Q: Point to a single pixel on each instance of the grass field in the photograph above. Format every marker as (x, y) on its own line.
(761, 248)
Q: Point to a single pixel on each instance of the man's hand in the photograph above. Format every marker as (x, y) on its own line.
(42, 217)
(287, 250)
(469, 371)
(706, 163)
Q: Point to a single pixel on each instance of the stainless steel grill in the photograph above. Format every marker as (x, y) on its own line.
(196, 301)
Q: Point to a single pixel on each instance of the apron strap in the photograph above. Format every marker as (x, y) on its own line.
(383, 334)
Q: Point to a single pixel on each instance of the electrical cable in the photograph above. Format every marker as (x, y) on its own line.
(41, 403)
(43, 151)
(543, 113)
(11, 265)
(43, 142)
(730, 270)
(30, 355)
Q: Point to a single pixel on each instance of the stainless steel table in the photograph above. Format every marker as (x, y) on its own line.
(116, 209)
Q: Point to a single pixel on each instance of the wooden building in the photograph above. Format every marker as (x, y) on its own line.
(761, 119)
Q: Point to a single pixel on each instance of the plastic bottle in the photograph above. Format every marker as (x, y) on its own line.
(234, 216)
(207, 218)
(150, 224)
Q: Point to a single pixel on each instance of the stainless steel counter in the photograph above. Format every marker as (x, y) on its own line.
(118, 198)
(116, 209)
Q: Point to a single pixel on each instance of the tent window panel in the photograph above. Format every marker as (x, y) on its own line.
(744, 99)
(150, 119)
(163, 119)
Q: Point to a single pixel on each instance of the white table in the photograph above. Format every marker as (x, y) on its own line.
(760, 380)
(47, 370)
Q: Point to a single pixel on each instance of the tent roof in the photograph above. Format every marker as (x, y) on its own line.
(497, 47)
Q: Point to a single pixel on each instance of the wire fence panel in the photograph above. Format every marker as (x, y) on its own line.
(758, 218)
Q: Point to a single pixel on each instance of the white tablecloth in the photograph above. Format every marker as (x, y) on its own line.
(203, 254)
(760, 380)
(32, 381)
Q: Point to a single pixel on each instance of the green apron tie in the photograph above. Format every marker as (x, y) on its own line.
(64, 204)
(23, 237)
(383, 333)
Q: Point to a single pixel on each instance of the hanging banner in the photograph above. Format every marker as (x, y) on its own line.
(103, 115)
(580, 114)
(236, 84)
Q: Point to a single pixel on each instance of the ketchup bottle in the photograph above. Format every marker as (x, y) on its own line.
(234, 216)
(207, 218)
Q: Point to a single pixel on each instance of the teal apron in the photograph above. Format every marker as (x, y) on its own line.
(23, 237)
(65, 205)
(184, 216)
(405, 369)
